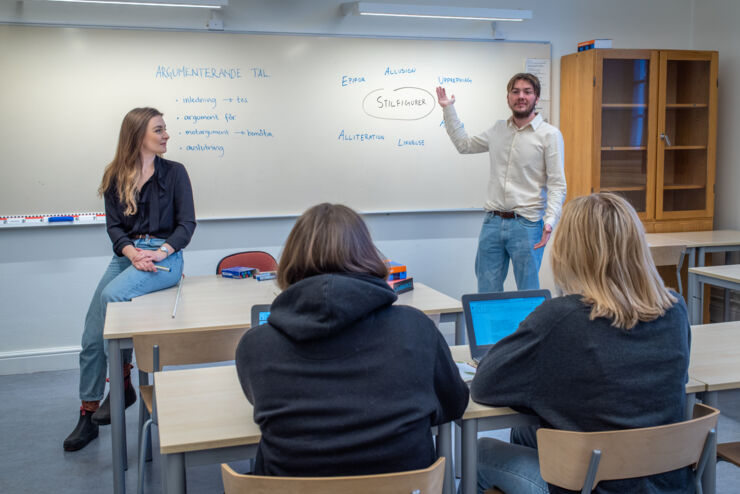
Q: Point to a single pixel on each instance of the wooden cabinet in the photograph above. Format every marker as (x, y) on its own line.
(643, 124)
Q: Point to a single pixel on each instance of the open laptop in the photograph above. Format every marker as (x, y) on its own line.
(260, 312)
(490, 317)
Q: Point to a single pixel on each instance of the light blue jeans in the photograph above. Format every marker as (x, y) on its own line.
(510, 467)
(503, 239)
(120, 282)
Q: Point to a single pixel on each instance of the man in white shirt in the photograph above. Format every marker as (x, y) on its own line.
(526, 189)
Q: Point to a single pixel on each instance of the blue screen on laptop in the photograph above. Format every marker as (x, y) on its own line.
(263, 316)
(496, 319)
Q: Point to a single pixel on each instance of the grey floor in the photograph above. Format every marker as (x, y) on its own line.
(40, 409)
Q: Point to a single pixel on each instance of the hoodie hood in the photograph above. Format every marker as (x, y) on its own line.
(323, 305)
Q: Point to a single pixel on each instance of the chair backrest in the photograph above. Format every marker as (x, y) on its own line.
(196, 347)
(251, 259)
(427, 481)
(565, 456)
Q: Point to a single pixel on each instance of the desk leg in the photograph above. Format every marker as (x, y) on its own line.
(173, 473)
(459, 329)
(469, 456)
(709, 480)
(458, 451)
(444, 448)
(117, 417)
(695, 299)
(678, 272)
(728, 260)
(143, 417)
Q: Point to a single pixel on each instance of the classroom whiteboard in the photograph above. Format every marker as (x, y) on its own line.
(265, 124)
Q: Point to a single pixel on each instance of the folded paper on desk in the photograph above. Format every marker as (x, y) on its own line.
(467, 371)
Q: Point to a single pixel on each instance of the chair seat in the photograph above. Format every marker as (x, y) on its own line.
(147, 396)
(729, 452)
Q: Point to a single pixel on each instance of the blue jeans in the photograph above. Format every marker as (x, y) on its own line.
(510, 467)
(120, 282)
(503, 239)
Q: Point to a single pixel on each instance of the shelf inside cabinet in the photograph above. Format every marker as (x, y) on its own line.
(681, 148)
(617, 106)
(686, 105)
(624, 148)
(623, 188)
(683, 186)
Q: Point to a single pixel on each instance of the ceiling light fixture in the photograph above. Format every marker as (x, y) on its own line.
(434, 11)
(202, 4)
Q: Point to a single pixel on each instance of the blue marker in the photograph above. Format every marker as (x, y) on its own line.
(60, 219)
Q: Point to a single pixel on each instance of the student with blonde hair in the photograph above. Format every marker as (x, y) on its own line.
(344, 382)
(612, 353)
(150, 218)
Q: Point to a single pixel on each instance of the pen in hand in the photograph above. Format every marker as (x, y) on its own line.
(162, 268)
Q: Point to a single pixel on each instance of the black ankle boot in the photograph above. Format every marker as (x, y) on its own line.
(102, 416)
(85, 432)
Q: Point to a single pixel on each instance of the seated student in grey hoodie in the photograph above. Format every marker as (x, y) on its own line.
(342, 381)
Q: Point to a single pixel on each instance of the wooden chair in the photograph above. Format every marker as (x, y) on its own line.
(427, 481)
(251, 259)
(580, 460)
(154, 351)
(729, 452)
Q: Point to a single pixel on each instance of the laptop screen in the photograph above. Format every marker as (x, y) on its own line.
(260, 313)
(494, 320)
(490, 317)
(263, 315)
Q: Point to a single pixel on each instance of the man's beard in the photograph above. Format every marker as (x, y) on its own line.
(523, 114)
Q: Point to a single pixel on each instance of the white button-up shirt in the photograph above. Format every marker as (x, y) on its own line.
(527, 170)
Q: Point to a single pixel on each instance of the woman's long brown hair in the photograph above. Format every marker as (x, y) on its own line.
(125, 169)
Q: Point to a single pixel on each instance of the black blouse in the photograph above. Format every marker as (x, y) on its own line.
(165, 209)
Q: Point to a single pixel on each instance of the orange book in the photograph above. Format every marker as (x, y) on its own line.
(394, 267)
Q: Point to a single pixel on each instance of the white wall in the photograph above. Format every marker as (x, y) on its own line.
(48, 274)
(715, 28)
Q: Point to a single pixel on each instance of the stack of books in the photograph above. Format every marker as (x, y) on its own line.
(398, 278)
(594, 43)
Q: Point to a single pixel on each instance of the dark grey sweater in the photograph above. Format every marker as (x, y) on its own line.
(345, 383)
(578, 374)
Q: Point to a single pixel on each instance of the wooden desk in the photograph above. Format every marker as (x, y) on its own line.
(697, 244)
(725, 276)
(665, 249)
(212, 303)
(715, 357)
(480, 417)
(715, 361)
(204, 418)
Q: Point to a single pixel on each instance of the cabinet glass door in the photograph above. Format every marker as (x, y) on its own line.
(686, 134)
(626, 154)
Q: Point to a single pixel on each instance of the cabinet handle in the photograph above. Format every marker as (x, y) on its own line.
(666, 139)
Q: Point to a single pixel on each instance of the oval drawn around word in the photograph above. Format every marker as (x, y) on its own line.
(403, 103)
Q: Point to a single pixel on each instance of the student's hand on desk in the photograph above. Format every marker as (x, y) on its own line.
(546, 232)
(443, 99)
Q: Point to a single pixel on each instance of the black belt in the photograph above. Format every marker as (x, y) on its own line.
(507, 215)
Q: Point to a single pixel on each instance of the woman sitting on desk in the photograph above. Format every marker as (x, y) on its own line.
(613, 353)
(150, 217)
(343, 382)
